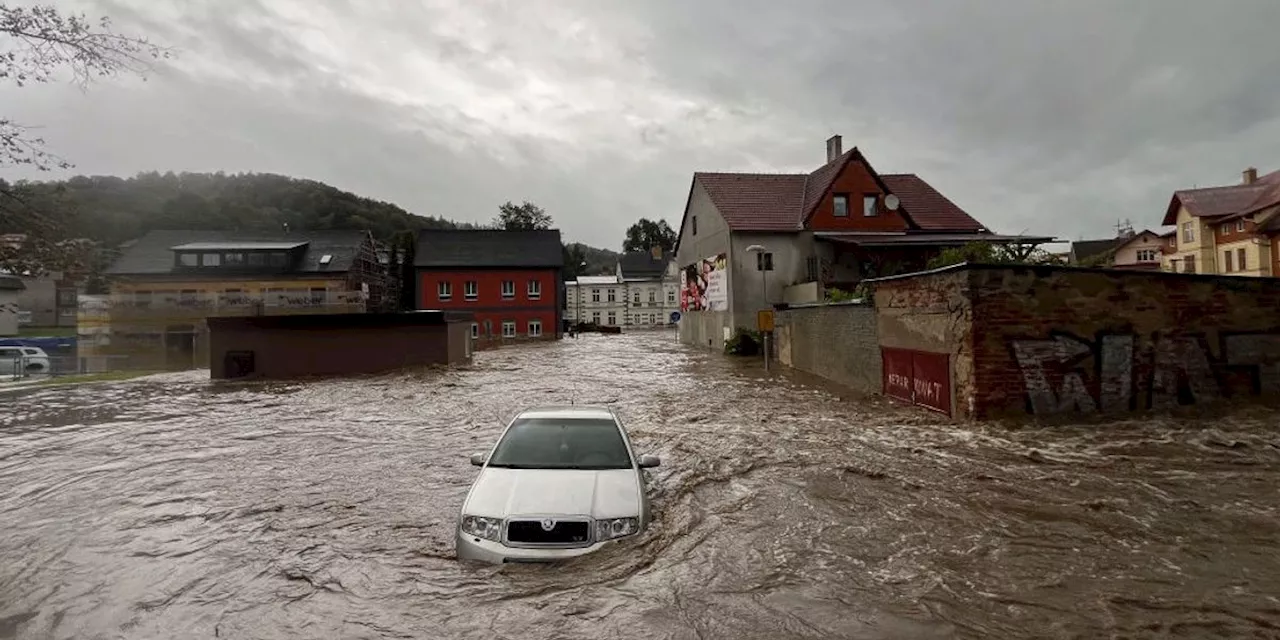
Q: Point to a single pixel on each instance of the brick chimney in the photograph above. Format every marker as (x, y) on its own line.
(833, 149)
(1250, 175)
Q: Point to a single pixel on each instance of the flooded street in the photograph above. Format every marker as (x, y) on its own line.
(171, 507)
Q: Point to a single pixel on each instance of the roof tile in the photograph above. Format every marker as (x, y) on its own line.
(481, 248)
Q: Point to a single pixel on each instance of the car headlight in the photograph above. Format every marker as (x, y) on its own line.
(616, 528)
(487, 528)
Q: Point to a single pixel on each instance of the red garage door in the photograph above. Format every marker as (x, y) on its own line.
(918, 377)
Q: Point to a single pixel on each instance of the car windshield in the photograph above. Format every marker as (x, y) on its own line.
(559, 443)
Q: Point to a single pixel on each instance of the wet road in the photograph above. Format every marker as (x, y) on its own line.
(174, 508)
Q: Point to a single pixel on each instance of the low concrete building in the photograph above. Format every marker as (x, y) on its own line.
(10, 288)
(292, 346)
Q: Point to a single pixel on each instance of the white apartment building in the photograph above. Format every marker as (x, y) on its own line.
(642, 293)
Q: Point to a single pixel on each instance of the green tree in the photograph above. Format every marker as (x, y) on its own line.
(575, 260)
(988, 253)
(646, 234)
(522, 217)
(39, 42)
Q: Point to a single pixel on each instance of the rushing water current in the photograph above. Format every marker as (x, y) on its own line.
(173, 507)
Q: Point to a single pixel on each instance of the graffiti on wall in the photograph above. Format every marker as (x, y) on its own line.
(1066, 373)
(704, 285)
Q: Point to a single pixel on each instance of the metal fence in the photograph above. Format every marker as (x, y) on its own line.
(35, 367)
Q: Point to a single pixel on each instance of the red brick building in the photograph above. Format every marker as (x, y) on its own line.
(510, 280)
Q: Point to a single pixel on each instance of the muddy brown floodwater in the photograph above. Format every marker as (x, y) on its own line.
(171, 507)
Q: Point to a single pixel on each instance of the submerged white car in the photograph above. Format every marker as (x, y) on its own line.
(561, 482)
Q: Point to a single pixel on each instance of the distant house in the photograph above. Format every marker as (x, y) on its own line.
(748, 240)
(166, 283)
(642, 293)
(1141, 251)
(1227, 230)
(510, 280)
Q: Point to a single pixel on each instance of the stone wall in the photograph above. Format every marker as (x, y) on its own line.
(1046, 341)
(836, 341)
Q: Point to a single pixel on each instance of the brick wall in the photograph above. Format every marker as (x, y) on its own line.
(1052, 340)
(836, 341)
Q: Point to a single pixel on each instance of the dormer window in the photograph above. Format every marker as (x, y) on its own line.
(869, 202)
(841, 205)
(188, 259)
(326, 259)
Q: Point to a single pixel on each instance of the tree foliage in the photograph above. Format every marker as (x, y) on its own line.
(646, 234)
(37, 43)
(108, 210)
(987, 253)
(522, 217)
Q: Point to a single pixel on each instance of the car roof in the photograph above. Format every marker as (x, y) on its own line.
(568, 412)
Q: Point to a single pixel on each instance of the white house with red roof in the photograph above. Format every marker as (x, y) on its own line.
(748, 241)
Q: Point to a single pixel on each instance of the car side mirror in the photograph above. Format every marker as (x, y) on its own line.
(477, 459)
(648, 462)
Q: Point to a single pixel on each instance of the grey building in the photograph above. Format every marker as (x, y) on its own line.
(10, 288)
(749, 241)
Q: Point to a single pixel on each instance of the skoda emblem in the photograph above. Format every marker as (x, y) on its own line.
(548, 524)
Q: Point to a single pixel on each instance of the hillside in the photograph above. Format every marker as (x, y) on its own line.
(112, 210)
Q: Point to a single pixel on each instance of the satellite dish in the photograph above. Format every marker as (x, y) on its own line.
(891, 202)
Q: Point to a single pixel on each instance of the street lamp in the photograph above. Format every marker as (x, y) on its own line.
(582, 266)
(759, 250)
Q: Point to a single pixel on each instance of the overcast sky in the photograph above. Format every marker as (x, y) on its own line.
(1050, 117)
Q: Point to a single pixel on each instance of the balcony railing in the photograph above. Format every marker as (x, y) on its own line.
(227, 304)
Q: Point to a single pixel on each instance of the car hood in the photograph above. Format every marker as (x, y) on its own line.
(504, 493)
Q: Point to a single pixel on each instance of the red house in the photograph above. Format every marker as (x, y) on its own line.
(510, 280)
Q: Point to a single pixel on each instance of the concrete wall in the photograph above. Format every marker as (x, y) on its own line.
(836, 341)
(704, 328)
(1047, 341)
(932, 314)
(291, 352)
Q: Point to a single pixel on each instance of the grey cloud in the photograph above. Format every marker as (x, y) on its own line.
(1042, 116)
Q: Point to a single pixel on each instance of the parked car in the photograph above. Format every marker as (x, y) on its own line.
(560, 482)
(16, 360)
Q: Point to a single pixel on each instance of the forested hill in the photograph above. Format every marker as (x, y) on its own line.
(111, 210)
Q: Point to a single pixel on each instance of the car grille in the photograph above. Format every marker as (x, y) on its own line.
(563, 532)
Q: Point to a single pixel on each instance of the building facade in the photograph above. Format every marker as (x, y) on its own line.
(1227, 230)
(510, 280)
(10, 289)
(642, 293)
(167, 283)
(750, 241)
(1141, 251)
(49, 301)
(596, 300)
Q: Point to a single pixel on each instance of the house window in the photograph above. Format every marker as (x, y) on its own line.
(444, 290)
(635, 296)
(869, 205)
(187, 259)
(470, 291)
(653, 296)
(1188, 231)
(612, 298)
(235, 259)
(535, 328)
(210, 259)
(66, 297)
(1226, 228)
(693, 224)
(595, 295)
(653, 318)
(1226, 261)
(841, 209)
(595, 317)
(764, 261)
(475, 330)
(257, 259)
(671, 297)
(508, 329)
(1189, 265)
(613, 318)
(1240, 226)
(811, 269)
(508, 289)
(1146, 255)
(534, 290)
(1240, 261)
